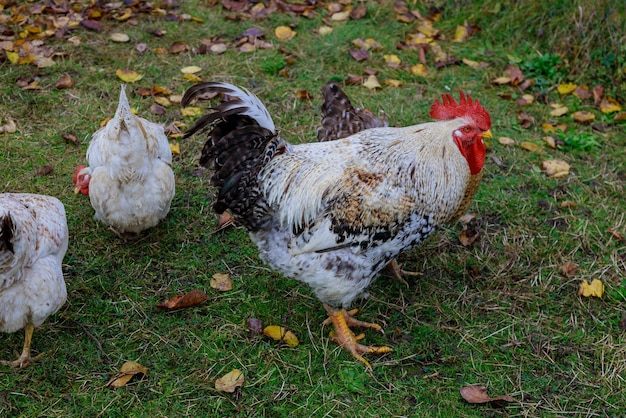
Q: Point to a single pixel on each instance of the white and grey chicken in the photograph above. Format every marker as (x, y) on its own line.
(33, 242)
(129, 179)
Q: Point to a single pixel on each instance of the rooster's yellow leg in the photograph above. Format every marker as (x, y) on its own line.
(24, 359)
(399, 274)
(342, 321)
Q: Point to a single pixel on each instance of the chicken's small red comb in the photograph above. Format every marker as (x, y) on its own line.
(450, 109)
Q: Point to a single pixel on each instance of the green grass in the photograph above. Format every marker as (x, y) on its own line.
(498, 313)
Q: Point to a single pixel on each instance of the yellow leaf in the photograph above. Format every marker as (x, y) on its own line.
(192, 77)
(128, 370)
(340, 16)
(502, 80)
(505, 140)
(426, 27)
(549, 128)
(163, 101)
(12, 56)
(419, 70)
(279, 333)
(392, 82)
(609, 105)
(528, 98)
(530, 146)
(324, 30)
(175, 147)
(128, 76)
(556, 168)
(230, 381)
(596, 288)
(191, 112)
(551, 141)
(192, 69)
(284, 33)
(221, 282)
(372, 83)
(392, 60)
(566, 88)
(461, 34)
(559, 111)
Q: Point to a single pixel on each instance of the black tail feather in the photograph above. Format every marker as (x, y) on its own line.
(7, 231)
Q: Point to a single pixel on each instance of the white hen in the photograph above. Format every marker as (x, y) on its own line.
(33, 241)
(129, 179)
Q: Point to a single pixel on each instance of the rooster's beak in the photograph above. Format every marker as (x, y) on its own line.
(487, 134)
(76, 190)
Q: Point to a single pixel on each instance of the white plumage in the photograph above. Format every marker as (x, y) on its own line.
(129, 179)
(33, 242)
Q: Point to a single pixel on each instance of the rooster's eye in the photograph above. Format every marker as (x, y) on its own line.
(467, 129)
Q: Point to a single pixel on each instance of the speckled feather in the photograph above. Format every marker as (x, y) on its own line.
(31, 280)
(333, 214)
(132, 184)
(341, 119)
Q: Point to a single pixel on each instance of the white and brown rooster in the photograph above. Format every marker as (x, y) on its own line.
(333, 214)
(33, 242)
(129, 179)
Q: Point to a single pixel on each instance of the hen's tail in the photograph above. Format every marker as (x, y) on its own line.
(6, 233)
(340, 119)
(241, 139)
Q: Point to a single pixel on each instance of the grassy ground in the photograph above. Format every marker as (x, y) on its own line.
(498, 313)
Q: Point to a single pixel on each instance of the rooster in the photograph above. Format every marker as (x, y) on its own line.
(333, 214)
(129, 179)
(33, 241)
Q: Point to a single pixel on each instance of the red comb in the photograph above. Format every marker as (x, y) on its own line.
(466, 107)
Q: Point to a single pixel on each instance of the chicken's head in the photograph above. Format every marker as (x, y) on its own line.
(81, 178)
(469, 137)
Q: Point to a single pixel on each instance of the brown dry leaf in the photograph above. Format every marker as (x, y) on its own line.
(340, 16)
(179, 47)
(478, 394)
(358, 12)
(556, 168)
(10, 127)
(467, 240)
(551, 141)
(595, 288)
(616, 235)
(568, 204)
(255, 326)
(583, 116)
(193, 298)
(325, 30)
(467, 218)
(372, 83)
(609, 105)
(65, 82)
(304, 95)
(128, 370)
(70, 138)
(44, 62)
(558, 109)
(221, 282)
(619, 116)
(526, 120)
(359, 54)
(569, 269)
(475, 64)
(225, 219)
(513, 72)
(501, 80)
(128, 76)
(530, 146)
(582, 92)
(598, 93)
(45, 170)
(230, 381)
(505, 140)
(279, 333)
(284, 33)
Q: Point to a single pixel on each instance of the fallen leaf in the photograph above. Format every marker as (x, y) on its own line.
(582, 92)
(467, 240)
(616, 235)
(325, 30)
(551, 127)
(284, 33)
(556, 168)
(195, 297)
(65, 82)
(475, 64)
(526, 120)
(566, 88)
(119, 37)
(191, 112)
(501, 80)
(568, 204)
(359, 54)
(478, 394)
(551, 141)
(467, 218)
(595, 289)
(10, 127)
(279, 333)
(598, 93)
(70, 138)
(340, 16)
(392, 60)
(461, 34)
(221, 282)
(609, 105)
(255, 326)
(569, 269)
(225, 219)
(128, 76)
(45, 170)
(558, 110)
(392, 82)
(191, 69)
(583, 116)
(175, 147)
(230, 381)
(419, 70)
(619, 116)
(530, 146)
(505, 140)
(128, 370)
(372, 83)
